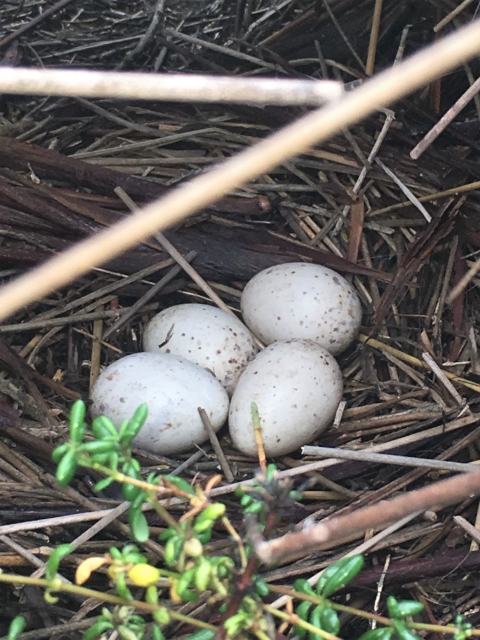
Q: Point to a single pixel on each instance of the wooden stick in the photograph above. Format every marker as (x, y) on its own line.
(445, 120)
(170, 87)
(372, 45)
(453, 14)
(309, 130)
(434, 496)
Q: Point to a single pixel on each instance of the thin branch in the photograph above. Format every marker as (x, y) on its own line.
(372, 46)
(463, 282)
(34, 22)
(445, 120)
(171, 87)
(311, 129)
(386, 458)
(453, 14)
(435, 496)
(358, 550)
(413, 199)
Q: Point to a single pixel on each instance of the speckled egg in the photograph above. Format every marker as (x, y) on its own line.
(301, 300)
(173, 388)
(297, 386)
(206, 335)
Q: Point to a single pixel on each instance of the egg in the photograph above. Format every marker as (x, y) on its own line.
(173, 388)
(301, 300)
(206, 335)
(297, 386)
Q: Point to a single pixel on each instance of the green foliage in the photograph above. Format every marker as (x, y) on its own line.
(54, 560)
(338, 575)
(16, 627)
(464, 628)
(323, 616)
(188, 571)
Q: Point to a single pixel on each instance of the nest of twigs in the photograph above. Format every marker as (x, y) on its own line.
(405, 234)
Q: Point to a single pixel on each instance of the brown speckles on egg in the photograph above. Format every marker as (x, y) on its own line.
(290, 301)
(297, 386)
(172, 387)
(207, 336)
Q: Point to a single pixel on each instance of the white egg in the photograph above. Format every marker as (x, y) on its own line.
(301, 300)
(297, 386)
(206, 335)
(173, 388)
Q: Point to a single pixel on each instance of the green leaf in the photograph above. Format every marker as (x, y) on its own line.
(131, 491)
(261, 587)
(204, 525)
(135, 557)
(77, 421)
(302, 612)
(59, 452)
(66, 468)
(127, 634)
(342, 573)
(138, 525)
(186, 579)
(156, 633)
(403, 632)
(303, 586)
(392, 605)
(97, 629)
(190, 596)
(103, 428)
(255, 507)
(97, 446)
(139, 500)
(180, 483)
(135, 423)
(211, 512)
(205, 536)
(54, 560)
(115, 553)
(100, 458)
(151, 594)
(329, 621)
(246, 500)
(161, 615)
(121, 587)
(324, 618)
(173, 549)
(113, 461)
(327, 573)
(404, 608)
(315, 622)
(222, 566)
(271, 471)
(203, 634)
(103, 484)
(382, 633)
(16, 627)
(167, 534)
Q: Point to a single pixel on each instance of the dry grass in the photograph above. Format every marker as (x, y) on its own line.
(405, 231)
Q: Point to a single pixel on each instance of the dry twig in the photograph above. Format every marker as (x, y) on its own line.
(435, 496)
(201, 191)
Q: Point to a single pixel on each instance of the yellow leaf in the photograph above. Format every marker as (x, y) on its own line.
(174, 597)
(85, 569)
(144, 575)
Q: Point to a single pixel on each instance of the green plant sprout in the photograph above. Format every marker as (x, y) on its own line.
(189, 570)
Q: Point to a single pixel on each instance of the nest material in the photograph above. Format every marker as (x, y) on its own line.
(61, 159)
